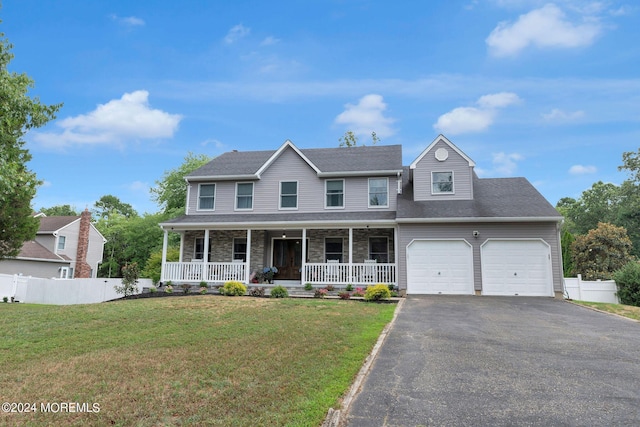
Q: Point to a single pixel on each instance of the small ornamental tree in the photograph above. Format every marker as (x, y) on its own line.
(130, 275)
(602, 251)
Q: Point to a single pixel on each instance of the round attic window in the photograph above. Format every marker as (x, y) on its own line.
(442, 154)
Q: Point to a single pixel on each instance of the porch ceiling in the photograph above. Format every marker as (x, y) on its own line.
(372, 219)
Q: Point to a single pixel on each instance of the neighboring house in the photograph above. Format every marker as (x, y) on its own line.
(360, 217)
(64, 247)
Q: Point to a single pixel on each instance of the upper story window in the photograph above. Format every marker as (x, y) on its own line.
(441, 182)
(244, 195)
(334, 190)
(378, 192)
(289, 195)
(206, 196)
(62, 240)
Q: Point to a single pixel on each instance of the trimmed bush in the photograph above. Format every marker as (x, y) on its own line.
(377, 292)
(279, 292)
(628, 283)
(349, 287)
(257, 292)
(308, 286)
(233, 288)
(344, 295)
(320, 293)
(186, 288)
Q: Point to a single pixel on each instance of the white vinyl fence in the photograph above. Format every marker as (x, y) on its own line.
(61, 291)
(592, 291)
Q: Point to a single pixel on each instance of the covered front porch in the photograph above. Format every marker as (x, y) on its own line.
(357, 255)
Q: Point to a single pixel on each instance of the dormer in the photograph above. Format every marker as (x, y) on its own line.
(442, 172)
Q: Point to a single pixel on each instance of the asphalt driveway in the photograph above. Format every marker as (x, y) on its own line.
(498, 361)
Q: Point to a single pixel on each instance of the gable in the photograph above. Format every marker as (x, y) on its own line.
(442, 172)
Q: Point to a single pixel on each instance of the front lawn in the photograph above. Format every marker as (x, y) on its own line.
(198, 360)
(623, 310)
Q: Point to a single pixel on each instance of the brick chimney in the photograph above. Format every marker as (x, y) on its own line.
(83, 270)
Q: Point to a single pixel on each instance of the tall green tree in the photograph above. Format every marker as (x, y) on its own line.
(108, 205)
(60, 210)
(601, 252)
(350, 139)
(19, 113)
(170, 192)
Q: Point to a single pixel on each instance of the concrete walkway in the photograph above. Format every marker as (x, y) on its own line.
(502, 361)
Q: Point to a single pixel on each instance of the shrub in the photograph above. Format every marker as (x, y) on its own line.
(377, 292)
(601, 252)
(233, 288)
(349, 287)
(628, 283)
(204, 284)
(391, 287)
(344, 295)
(256, 292)
(153, 289)
(130, 275)
(320, 293)
(359, 292)
(168, 289)
(5, 299)
(186, 287)
(203, 290)
(279, 292)
(330, 288)
(308, 286)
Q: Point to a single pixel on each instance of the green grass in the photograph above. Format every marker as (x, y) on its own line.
(623, 310)
(200, 360)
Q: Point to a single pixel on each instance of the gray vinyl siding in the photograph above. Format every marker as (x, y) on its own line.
(311, 190)
(32, 268)
(545, 231)
(462, 175)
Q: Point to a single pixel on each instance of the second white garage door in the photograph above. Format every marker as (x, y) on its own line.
(440, 267)
(516, 267)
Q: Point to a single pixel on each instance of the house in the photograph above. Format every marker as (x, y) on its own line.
(356, 215)
(64, 247)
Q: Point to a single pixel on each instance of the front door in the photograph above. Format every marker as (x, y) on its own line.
(287, 258)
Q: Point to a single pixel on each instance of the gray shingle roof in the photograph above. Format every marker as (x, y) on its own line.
(49, 224)
(346, 159)
(492, 198)
(34, 250)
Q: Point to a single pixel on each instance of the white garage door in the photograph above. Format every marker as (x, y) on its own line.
(516, 267)
(439, 267)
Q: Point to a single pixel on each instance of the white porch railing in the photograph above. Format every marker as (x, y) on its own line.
(204, 271)
(355, 274)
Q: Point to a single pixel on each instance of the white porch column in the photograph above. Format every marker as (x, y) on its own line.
(205, 249)
(396, 255)
(350, 254)
(181, 246)
(303, 276)
(247, 272)
(165, 243)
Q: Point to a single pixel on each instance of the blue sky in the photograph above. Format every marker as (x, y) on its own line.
(545, 90)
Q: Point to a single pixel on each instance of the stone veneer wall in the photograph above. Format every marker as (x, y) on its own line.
(221, 243)
(360, 243)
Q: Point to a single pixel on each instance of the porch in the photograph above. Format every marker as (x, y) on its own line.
(336, 256)
(330, 273)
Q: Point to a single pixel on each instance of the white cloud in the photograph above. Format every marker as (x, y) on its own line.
(545, 27)
(471, 119)
(367, 116)
(129, 117)
(582, 170)
(129, 21)
(236, 33)
(557, 115)
(505, 164)
(268, 41)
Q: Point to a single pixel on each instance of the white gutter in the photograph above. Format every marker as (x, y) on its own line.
(479, 219)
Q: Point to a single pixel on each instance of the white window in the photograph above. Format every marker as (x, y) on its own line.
(206, 196)
(240, 248)
(64, 273)
(244, 195)
(379, 249)
(333, 248)
(289, 195)
(378, 192)
(62, 240)
(334, 190)
(441, 182)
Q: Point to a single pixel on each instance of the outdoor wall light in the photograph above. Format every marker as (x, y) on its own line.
(284, 234)
(476, 233)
